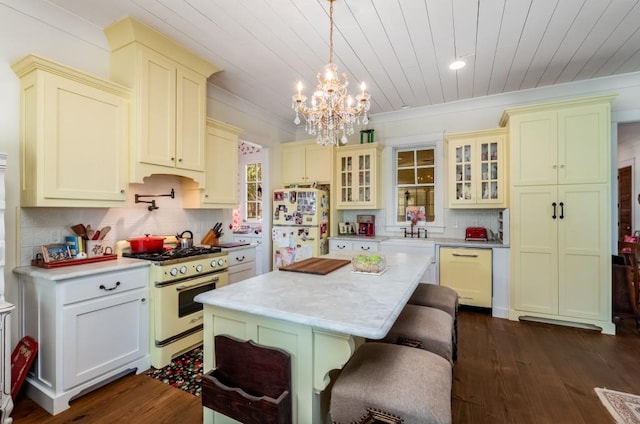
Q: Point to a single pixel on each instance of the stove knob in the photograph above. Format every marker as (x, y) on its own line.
(173, 272)
(220, 261)
(183, 269)
(198, 268)
(213, 263)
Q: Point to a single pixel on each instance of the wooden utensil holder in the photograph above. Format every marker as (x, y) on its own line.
(251, 383)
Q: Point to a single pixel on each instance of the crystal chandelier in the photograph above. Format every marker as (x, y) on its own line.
(332, 113)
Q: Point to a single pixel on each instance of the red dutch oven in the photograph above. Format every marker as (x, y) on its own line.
(146, 244)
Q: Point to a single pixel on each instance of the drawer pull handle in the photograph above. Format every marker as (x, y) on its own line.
(240, 259)
(466, 255)
(365, 247)
(194, 320)
(102, 287)
(341, 247)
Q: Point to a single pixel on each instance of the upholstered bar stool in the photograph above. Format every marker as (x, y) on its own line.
(440, 297)
(425, 328)
(392, 384)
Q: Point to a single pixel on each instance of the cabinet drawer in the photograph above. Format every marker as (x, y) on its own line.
(242, 272)
(241, 256)
(367, 246)
(105, 284)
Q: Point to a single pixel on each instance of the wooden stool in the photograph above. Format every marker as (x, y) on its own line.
(392, 384)
(425, 328)
(440, 297)
(250, 383)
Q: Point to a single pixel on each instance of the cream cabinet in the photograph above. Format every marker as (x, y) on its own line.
(306, 162)
(169, 100)
(357, 177)
(560, 215)
(477, 169)
(560, 145)
(221, 158)
(469, 273)
(91, 324)
(74, 137)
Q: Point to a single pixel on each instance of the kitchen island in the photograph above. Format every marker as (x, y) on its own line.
(319, 319)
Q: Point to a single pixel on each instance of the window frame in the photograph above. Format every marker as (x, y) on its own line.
(421, 141)
(245, 192)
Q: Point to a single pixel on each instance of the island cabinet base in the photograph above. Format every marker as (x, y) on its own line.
(314, 353)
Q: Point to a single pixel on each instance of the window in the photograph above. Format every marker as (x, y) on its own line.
(415, 184)
(253, 192)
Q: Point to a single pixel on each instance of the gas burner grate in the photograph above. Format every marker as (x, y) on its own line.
(176, 253)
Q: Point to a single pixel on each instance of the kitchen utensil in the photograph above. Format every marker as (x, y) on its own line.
(185, 242)
(104, 231)
(216, 229)
(209, 238)
(96, 235)
(147, 244)
(79, 230)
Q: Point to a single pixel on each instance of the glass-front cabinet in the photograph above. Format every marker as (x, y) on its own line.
(477, 169)
(358, 176)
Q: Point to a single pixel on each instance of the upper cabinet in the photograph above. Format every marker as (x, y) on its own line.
(306, 162)
(221, 158)
(169, 100)
(560, 143)
(477, 169)
(357, 177)
(74, 137)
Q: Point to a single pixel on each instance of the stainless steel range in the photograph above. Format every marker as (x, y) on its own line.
(176, 277)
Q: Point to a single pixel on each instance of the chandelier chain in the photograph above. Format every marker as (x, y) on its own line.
(332, 112)
(331, 31)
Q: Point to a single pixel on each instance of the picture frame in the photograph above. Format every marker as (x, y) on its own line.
(56, 252)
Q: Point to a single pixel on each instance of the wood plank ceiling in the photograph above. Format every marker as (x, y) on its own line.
(401, 48)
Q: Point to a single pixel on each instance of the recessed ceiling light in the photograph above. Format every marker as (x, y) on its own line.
(458, 64)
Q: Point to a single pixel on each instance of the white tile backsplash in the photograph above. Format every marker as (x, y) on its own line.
(37, 224)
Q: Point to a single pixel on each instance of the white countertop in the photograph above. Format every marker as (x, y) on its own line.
(341, 301)
(442, 241)
(74, 271)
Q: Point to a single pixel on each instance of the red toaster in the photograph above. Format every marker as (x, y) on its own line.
(475, 233)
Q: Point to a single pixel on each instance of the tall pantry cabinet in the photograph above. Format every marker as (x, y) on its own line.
(560, 211)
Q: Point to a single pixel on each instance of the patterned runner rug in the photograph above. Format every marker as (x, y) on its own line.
(623, 407)
(184, 372)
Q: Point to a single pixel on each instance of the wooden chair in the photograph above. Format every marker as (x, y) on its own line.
(250, 383)
(626, 283)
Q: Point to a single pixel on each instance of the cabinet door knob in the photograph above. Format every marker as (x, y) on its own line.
(122, 191)
(143, 300)
(172, 159)
(180, 160)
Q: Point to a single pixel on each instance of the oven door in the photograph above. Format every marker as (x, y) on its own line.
(175, 311)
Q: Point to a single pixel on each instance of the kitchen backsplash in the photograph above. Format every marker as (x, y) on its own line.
(40, 226)
(456, 221)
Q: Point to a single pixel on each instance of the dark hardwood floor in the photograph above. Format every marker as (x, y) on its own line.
(507, 372)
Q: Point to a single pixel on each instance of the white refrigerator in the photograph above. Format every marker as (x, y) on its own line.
(300, 225)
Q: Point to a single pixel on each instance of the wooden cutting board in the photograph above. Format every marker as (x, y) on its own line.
(319, 266)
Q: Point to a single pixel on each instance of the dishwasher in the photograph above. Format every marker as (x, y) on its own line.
(469, 272)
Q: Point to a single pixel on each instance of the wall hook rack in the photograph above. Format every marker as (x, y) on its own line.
(152, 203)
